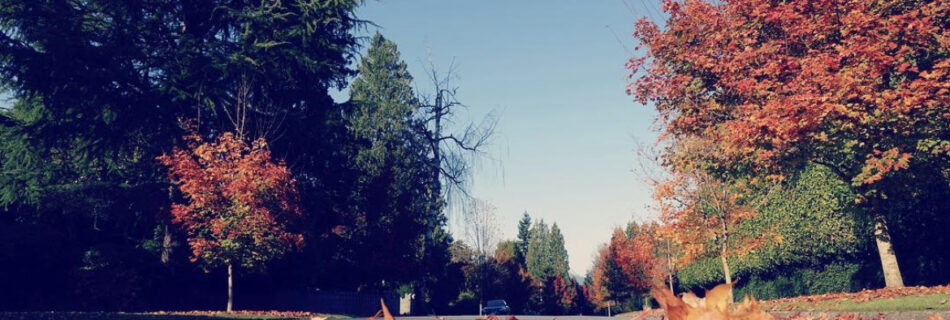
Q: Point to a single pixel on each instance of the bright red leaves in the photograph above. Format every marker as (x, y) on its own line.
(238, 201)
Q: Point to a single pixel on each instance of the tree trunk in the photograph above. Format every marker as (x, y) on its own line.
(725, 266)
(167, 238)
(166, 245)
(892, 271)
(230, 287)
(669, 263)
(722, 252)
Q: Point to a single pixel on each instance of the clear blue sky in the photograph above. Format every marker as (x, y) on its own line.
(555, 72)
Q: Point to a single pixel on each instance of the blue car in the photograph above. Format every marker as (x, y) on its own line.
(496, 307)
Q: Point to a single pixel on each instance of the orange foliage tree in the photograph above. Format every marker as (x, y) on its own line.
(238, 202)
(597, 291)
(627, 266)
(702, 214)
(859, 86)
(703, 209)
(636, 253)
(565, 290)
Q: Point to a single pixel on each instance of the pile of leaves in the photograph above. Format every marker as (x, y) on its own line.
(850, 316)
(160, 315)
(716, 304)
(243, 313)
(492, 317)
(860, 296)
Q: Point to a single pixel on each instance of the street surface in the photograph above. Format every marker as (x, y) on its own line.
(502, 317)
(905, 315)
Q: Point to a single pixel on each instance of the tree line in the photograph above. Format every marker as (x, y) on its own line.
(531, 273)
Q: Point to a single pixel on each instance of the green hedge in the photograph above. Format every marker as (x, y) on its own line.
(823, 242)
(839, 276)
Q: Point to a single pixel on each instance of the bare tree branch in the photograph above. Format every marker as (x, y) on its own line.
(454, 155)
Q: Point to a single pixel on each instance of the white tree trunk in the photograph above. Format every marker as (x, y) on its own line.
(725, 267)
(230, 287)
(892, 271)
(723, 249)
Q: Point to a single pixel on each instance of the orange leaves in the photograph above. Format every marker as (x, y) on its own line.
(246, 314)
(598, 292)
(565, 290)
(237, 200)
(636, 255)
(878, 164)
(775, 82)
(628, 265)
(701, 213)
(384, 311)
(717, 306)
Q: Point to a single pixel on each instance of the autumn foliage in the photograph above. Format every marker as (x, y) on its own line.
(787, 304)
(565, 289)
(238, 202)
(597, 291)
(857, 84)
(716, 306)
(626, 266)
(636, 256)
(861, 87)
(703, 213)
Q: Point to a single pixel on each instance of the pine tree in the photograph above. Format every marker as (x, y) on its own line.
(558, 252)
(538, 257)
(383, 102)
(524, 237)
(393, 176)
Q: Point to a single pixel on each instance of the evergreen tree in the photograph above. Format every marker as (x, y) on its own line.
(546, 256)
(524, 237)
(100, 88)
(558, 252)
(383, 103)
(538, 257)
(393, 182)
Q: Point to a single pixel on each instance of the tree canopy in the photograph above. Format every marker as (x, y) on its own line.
(857, 86)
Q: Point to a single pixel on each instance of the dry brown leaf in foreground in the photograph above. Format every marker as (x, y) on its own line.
(384, 312)
(691, 299)
(716, 307)
(720, 297)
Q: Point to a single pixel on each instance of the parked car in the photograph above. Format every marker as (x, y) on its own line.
(496, 307)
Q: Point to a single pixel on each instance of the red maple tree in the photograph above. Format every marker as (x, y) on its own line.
(628, 265)
(859, 86)
(597, 291)
(565, 289)
(635, 253)
(238, 202)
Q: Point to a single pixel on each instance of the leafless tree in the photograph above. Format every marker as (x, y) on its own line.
(253, 115)
(481, 226)
(454, 153)
(481, 229)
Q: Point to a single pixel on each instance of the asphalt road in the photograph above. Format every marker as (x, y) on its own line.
(905, 315)
(500, 317)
